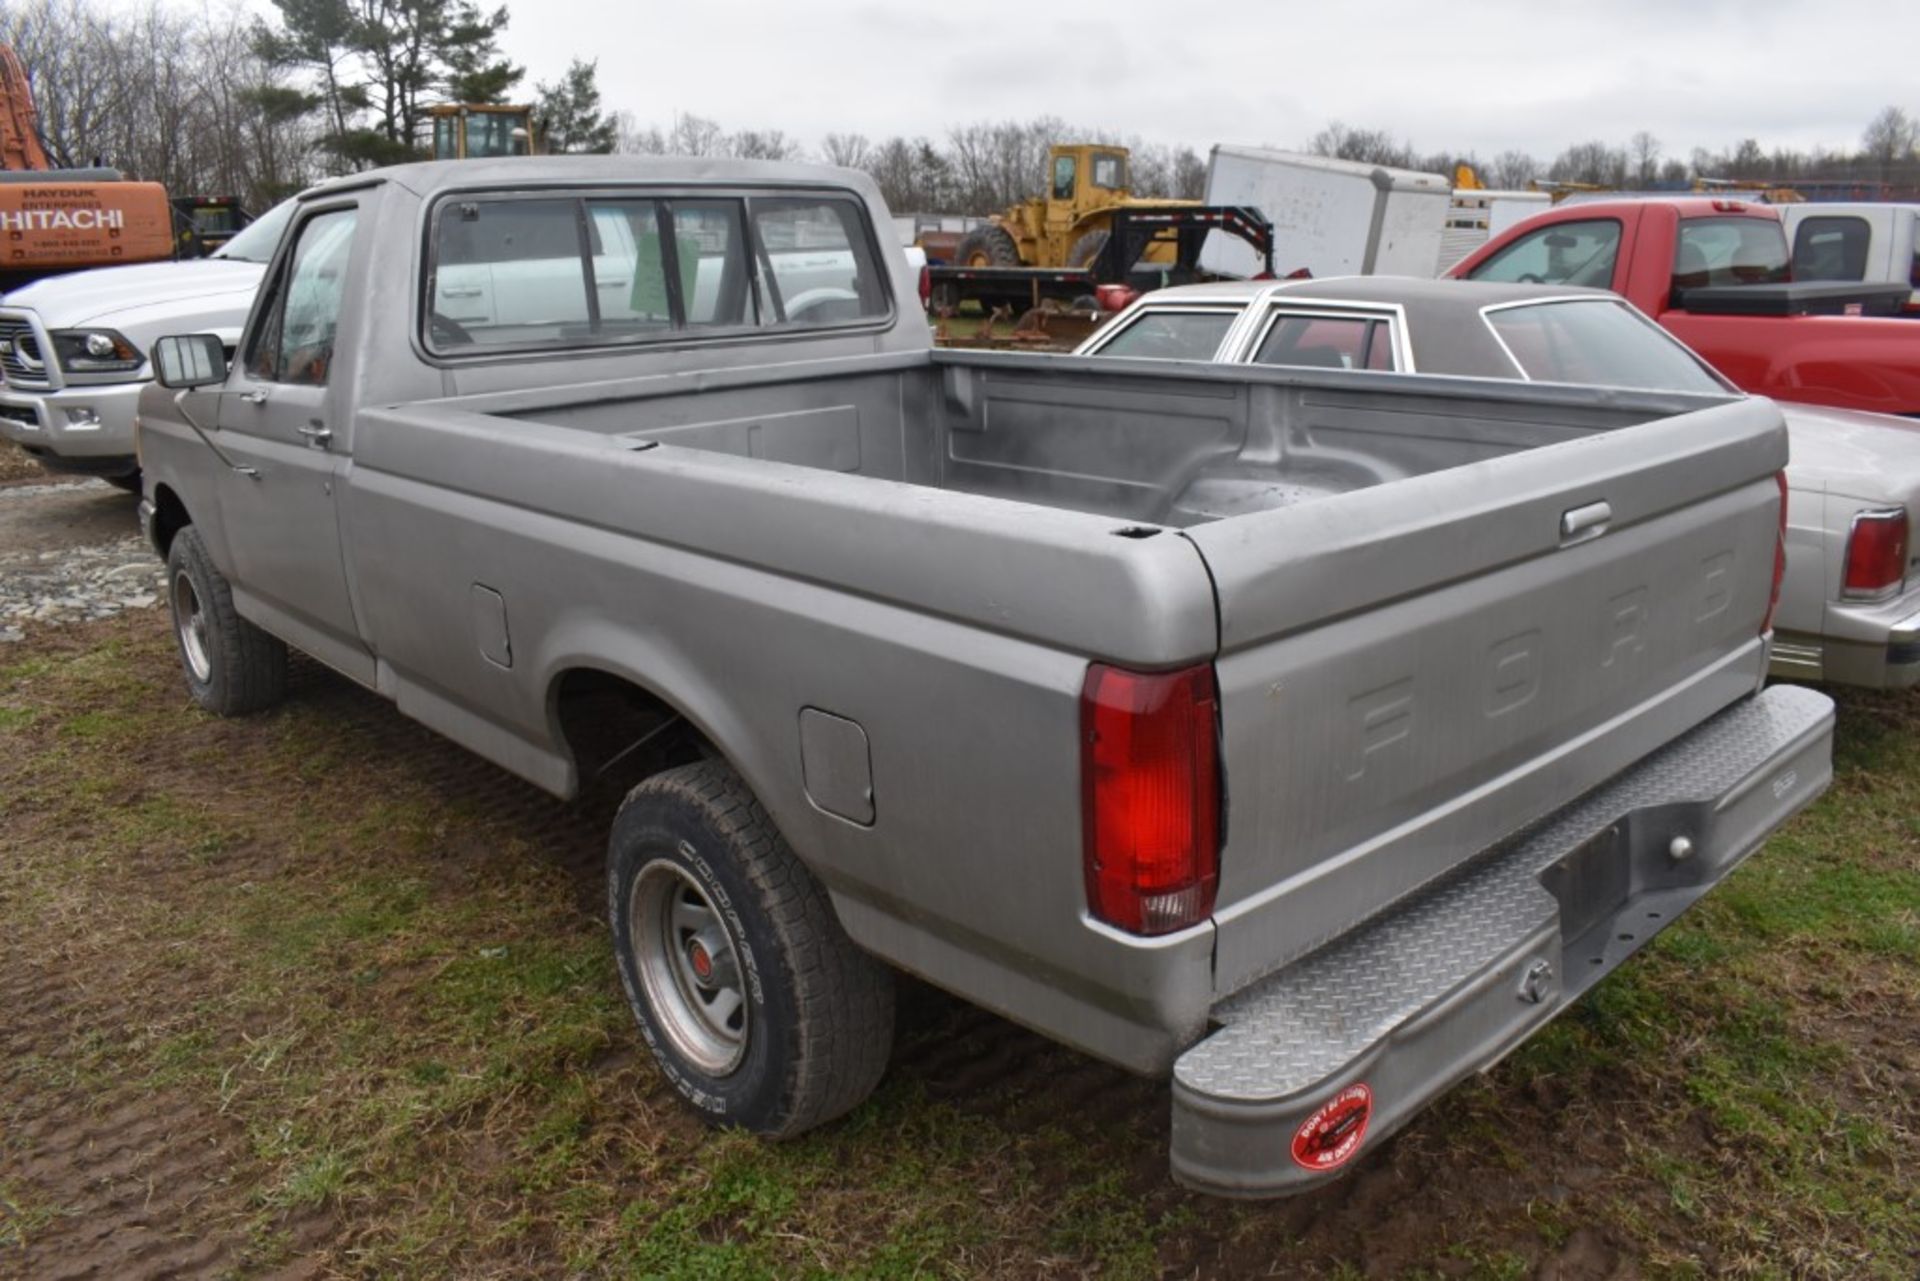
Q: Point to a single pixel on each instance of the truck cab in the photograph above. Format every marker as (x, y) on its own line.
(1718, 275)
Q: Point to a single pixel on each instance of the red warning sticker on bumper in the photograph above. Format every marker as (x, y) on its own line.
(1331, 1135)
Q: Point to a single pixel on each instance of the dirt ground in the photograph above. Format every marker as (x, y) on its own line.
(317, 994)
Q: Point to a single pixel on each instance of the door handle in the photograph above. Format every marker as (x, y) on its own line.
(1582, 523)
(258, 396)
(317, 435)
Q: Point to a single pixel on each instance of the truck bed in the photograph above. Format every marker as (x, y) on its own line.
(1176, 445)
(1415, 661)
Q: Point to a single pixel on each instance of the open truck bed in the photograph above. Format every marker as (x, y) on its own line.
(1300, 734)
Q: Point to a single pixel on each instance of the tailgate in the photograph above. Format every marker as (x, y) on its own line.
(1410, 673)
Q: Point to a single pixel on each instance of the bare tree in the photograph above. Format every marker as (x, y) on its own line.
(630, 139)
(1889, 140)
(1592, 163)
(763, 144)
(695, 136)
(1513, 171)
(178, 97)
(847, 150)
(1368, 146)
(1189, 175)
(1645, 150)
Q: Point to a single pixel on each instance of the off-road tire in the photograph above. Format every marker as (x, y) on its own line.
(819, 1010)
(246, 667)
(1087, 247)
(990, 242)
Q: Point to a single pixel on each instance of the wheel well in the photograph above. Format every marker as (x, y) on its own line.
(169, 517)
(612, 725)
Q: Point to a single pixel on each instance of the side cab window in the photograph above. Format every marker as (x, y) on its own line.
(1321, 341)
(294, 342)
(1564, 253)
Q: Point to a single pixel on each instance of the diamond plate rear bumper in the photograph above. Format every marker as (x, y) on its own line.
(1450, 980)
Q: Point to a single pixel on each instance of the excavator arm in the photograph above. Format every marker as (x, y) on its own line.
(20, 146)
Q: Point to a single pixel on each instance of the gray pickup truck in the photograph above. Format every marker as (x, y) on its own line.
(1306, 736)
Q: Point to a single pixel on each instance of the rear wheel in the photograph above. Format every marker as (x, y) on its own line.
(231, 666)
(990, 245)
(756, 1005)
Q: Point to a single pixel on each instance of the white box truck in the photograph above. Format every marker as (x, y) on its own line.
(1332, 217)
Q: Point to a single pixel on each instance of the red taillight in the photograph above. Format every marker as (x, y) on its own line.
(1779, 555)
(926, 286)
(1150, 796)
(1876, 554)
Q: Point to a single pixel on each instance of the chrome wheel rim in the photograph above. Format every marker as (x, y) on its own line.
(190, 621)
(688, 966)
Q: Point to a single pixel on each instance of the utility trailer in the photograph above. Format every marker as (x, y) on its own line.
(1118, 262)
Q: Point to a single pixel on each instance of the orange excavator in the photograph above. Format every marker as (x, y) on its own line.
(54, 220)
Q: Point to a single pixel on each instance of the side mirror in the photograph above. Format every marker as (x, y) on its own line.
(186, 361)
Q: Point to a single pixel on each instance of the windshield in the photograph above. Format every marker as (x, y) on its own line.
(1597, 343)
(261, 238)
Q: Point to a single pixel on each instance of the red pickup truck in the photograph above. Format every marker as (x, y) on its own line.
(1717, 275)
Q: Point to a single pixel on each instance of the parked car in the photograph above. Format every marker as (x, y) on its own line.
(73, 348)
(1716, 274)
(1850, 604)
(1872, 241)
(1186, 714)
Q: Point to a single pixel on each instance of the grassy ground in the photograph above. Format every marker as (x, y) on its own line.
(314, 993)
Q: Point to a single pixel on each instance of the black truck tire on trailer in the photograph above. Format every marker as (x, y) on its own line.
(1087, 247)
(992, 244)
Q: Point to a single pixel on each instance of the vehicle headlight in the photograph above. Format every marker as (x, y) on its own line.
(96, 351)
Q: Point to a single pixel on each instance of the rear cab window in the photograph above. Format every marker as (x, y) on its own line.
(1155, 334)
(518, 273)
(1564, 253)
(1730, 251)
(1599, 342)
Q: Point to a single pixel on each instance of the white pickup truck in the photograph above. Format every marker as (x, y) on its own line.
(1871, 242)
(73, 348)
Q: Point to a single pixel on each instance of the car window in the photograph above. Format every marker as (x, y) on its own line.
(1327, 342)
(1109, 171)
(1063, 177)
(261, 236)
(1730, 251)
(818, 261)
(630, 288)
(1171, 335)
(710, 242)
(1913, 272)
(515, 274)
(1831, 248)
(1599, 342)
(295, 341)
(1566, 253)
(509, 273)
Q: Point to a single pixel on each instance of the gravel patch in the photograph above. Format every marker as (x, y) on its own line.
(70, 584)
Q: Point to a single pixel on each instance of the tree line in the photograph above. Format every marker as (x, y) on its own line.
(1887, 155)
(219, 101)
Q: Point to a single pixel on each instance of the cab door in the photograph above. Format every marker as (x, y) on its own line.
(278, 424)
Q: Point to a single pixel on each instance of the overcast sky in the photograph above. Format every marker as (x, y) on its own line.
(1473, 75)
